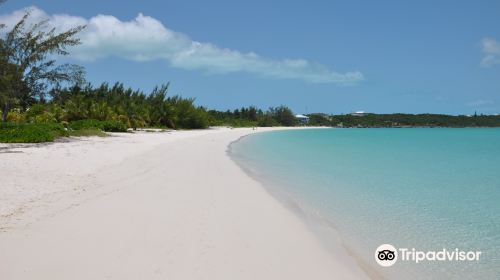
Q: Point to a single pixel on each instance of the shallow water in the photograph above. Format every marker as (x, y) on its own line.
(427, 189)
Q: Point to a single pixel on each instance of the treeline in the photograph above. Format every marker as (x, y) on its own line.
(41, 100)
(136, 109)
(404, 120)
(133, 108)
(251, 116)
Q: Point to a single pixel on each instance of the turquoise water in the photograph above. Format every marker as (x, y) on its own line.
(414, 188)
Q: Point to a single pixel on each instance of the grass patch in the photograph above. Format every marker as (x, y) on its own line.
(109, 126)
(31, 132)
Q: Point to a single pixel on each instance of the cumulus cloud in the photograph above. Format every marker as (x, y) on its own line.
(145, 38)
(491, 51)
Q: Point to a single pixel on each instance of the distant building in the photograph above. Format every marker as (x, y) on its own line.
(358, 113)
(303, 119)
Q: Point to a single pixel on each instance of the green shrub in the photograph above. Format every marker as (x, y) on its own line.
(30, 132)
(109, 126)
(193, 118)
(267, 121)
(114, 126)
(15, 117)
(35, 110)
(137, 122)
(45, 117)
(124, 119)
(84, 124)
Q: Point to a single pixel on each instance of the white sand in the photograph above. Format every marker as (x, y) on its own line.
(150, 206)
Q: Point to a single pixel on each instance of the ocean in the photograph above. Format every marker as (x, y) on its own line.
(428, 189)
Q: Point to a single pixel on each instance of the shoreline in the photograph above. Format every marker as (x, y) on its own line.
(324, 229)
(179, 207)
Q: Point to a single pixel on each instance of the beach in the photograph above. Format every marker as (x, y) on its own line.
(164, 205)
(366, 187)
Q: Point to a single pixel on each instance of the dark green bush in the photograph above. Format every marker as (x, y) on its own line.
(85, 124)
(31, 132)
(268, 121)
(185, 115)
(114, 126)
(193, 118)
(109, 126)
(35, 110)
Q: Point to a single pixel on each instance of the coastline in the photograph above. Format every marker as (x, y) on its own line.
(338, 182)
(168, 205)
(327, 233)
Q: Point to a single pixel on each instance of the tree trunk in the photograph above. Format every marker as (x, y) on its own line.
(5, 111)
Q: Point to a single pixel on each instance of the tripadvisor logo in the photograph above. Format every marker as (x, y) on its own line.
(387, 255)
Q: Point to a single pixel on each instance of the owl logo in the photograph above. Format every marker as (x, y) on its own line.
(386, 255)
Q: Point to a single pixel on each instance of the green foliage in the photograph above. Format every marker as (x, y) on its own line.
(405, 120)
(30, 133)
(12, 86)
(39, 113)
(186, 114)
(109, 126)
(251, 116)
(16, 117)
(132, 108)
(31, 82)
(27, 67)
(283, 115)
(31, 46)
(268, 121)
(319, 120)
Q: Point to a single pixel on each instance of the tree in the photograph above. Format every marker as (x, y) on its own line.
(252, 113)
(160, 112)
(11, 85)
(30, 48)
(283, 115)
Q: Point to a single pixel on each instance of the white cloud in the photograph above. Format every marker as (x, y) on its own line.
(491, 51)
(145, 38)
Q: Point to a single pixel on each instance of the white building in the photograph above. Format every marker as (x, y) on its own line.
(303, 119)
(358, 113)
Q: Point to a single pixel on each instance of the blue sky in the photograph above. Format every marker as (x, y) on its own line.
(314, 56)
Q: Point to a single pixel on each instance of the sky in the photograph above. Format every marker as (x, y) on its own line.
(313, 56)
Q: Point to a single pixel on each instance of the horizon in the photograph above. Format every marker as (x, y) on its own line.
(383, 58)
